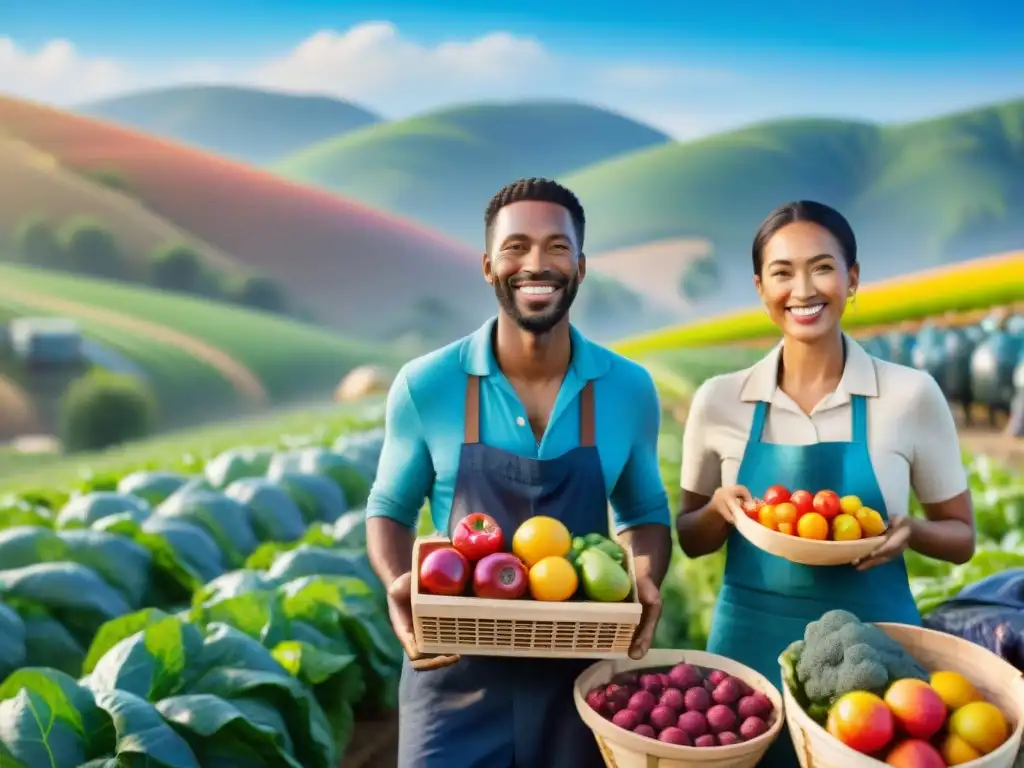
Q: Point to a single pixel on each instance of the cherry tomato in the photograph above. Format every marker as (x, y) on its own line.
(752, 508)
(803, 501)
(777, 494)
(826, 504)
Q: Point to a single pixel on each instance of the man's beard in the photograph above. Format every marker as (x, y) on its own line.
(541, 322)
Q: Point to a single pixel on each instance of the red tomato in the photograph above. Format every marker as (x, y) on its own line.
(476, 536)
(803, 501)
(826, 504)
(752, 508)
(777, 494)
(444, 572)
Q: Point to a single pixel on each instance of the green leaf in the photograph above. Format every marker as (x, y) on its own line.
(151, 663)
(259, 614)
(319, 498)
(152, 487)
(336, 679)
(141, 732)
(116, 630)
(30, 544)
(12, 640)
(16, 512)
(83, 511)
(49, 644)
(222, 736)
(226, 646)
(229, 585)
(307, 724)
(120, 561)
(317, 561)
(224, 519)
(275, 516)
(47, 719)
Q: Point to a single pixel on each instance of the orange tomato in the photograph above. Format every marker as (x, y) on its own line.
(786, 513)
(766, 516)
(787, 528)
(845, 528)
(862, 721)
(541, 537)
(553, 579)
(812, 526)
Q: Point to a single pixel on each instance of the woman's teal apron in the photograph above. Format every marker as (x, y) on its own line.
(767, 601)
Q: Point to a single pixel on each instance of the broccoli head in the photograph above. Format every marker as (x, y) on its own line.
(841, 654)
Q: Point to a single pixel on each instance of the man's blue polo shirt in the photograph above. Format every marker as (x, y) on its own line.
(425, 425)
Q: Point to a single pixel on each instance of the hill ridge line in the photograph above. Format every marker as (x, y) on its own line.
(240, 376)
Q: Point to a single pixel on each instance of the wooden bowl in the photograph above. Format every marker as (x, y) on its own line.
(997, 681)
(803, 551)
(622, 749)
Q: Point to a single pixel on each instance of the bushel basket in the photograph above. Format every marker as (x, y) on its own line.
(997, 681)
(624, 749)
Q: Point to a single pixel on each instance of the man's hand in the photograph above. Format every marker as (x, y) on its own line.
(400, 611)
(649, 595)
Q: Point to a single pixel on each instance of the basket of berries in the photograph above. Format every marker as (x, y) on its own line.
(674, 709)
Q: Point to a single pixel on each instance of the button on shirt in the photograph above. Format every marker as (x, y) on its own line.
(425, 422)
(912, 437)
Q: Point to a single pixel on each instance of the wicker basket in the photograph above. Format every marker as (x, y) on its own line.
(803, 551)
(622, 749)
(996, 680)
(474, 626)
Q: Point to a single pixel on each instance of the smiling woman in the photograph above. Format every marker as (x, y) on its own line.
(817, 413)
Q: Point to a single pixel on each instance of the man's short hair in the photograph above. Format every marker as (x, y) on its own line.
(536, 190)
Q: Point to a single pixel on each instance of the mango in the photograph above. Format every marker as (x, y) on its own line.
(604, 580)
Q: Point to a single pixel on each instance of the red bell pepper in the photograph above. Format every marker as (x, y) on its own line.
(477, 535)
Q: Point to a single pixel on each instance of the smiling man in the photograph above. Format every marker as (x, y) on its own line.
(524, 417)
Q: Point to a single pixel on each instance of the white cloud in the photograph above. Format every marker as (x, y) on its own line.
(57, 72)
(374, 64)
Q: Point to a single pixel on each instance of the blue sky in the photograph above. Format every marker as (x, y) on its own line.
(688, 68)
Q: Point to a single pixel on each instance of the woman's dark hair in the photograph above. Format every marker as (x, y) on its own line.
(805, 210)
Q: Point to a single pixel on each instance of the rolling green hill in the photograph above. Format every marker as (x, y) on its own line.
(443, 167)
(917, 195)
(243, 123)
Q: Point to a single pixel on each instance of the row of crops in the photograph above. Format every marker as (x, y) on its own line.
(225, 619)
(981, 363)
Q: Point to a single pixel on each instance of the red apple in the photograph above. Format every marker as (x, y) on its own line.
(477, 536)
(501, 576)
(803, 501)
(919, 711)
(915, 753)
(776, 494)
(826, 504)
(444, 571)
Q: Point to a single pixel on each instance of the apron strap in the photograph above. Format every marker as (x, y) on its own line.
(757, 425)
(472, 428)
(859, 405)
(587, 415)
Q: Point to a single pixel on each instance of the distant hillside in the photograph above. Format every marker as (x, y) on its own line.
(356, 268)
(244, 123)
(443, 167)
(918, 194)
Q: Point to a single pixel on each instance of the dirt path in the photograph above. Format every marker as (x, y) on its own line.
(243, 380)
(17, 412)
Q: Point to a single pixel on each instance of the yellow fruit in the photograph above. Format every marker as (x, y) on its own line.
(812, 526)
(850, 504)
(981, 725)
(954, 689)
(956, 751)
(553, 580)
(541, 537)
(766, 517)
(845, 528)
(787, 528)
(871, 522)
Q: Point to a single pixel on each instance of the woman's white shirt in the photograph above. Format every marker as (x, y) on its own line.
(912, 437)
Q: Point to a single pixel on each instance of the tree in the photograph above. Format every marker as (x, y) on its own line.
(101, 409)
(37, 243)
(260, 292)
(178, 267)
(699, 279)
(91, 248)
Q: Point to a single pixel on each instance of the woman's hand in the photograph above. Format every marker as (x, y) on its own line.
(893, 544)
(728, 501)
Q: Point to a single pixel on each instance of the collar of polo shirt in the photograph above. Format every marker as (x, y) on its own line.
(859, 376)
(589, 360)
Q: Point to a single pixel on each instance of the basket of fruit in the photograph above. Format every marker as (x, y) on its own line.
(674, 709)
(552, 595)
(860, 694)
(811, 529)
